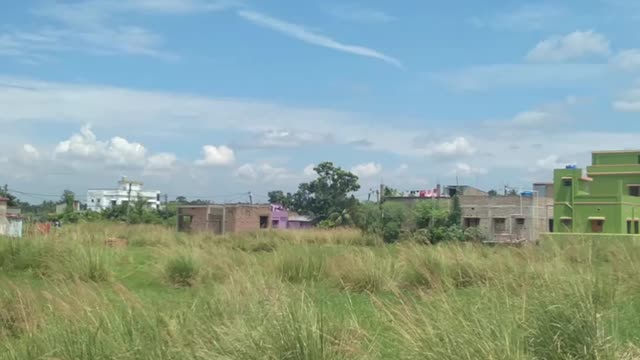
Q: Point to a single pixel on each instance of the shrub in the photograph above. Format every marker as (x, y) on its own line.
(182, 270)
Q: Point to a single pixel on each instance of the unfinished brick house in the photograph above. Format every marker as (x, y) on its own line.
(223, 219)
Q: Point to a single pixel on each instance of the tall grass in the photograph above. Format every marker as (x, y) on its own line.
(313, 295)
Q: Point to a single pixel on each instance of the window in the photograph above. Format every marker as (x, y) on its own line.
(629, 222)
(520, 221)
(499, 225)
(597, 226)
(158, 197)
(567, 223)
(264, 222)
(471, 222)
(114, 203)
(550, 225)
(93, 200)
(567, 182)
(637, 228)
(634, 190)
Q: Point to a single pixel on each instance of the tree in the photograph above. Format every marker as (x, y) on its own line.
(13, 200)
(493, 193)
(328, 195)
(455, 216)
(181, 200)
(279, 197)
(68, 197)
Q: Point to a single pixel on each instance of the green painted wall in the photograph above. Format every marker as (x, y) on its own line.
(606, 195)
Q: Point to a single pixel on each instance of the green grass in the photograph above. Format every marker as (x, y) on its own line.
(314, 295)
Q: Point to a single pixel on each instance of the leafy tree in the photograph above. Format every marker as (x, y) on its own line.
(13, 200)
(435, 223)
(181, 200)
(455, 216)
(386, 221)
(493, 193)
(67, 197)
(328, 195)
(390, 192)
(279, 197)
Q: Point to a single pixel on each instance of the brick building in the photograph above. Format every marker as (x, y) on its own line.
(222, 219)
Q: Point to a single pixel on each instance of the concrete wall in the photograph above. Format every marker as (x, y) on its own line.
(508, 218)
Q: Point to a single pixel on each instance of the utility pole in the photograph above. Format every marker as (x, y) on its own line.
(250, 198)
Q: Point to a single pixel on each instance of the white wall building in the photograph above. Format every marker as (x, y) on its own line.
(128, 190)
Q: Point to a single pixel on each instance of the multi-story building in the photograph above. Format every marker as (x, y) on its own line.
(605, 200)
(128, 191)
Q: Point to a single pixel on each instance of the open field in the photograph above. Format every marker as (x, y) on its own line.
(313, 295)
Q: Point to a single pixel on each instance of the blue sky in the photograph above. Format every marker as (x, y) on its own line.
(216, 97)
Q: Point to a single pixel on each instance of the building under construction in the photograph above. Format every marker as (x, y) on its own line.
(223, 219)
(503, 219)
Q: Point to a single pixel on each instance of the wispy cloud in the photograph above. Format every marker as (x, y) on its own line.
(90, 27)
(300, 33)
(360, 14)
(501, 76)
(523, 17)
(578, 44)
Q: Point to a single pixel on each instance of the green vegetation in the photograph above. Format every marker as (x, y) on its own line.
(319, 294)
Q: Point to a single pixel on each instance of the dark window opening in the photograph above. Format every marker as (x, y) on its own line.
(499, 225)
(566, 182)
(114, 203)
(634, 191)
(550, 225)
(275, 223)
(629, 226)
(567, 223)
(471, 222)
(158, 197)
(520, 221)
(637, 227)
(597, 226)
(264, 222)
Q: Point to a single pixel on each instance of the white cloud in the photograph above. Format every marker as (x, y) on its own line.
(116, 152)
(30, 151)
(505, 76)
(459, 146)
(629, 102)
(300, 33)
(549, 163)
(359, 14)
(367, 170)
(578, 44)
(309, 170)
(216, 156)
(627, 59)
(291, 138)
(161, 162)
(463, 169)
(95, 27)
(247, 172)
(263, 172)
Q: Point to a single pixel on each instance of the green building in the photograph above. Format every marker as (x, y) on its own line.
(606, 200)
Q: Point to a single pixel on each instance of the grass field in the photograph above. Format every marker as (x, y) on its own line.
(313, 295)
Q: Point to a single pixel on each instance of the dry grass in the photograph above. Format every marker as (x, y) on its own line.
(313, 295)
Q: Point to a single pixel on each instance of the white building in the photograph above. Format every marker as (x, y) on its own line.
(127, 191)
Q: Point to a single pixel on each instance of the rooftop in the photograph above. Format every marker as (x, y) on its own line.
(616, 152)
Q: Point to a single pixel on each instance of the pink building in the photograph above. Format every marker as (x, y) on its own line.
(281, 218)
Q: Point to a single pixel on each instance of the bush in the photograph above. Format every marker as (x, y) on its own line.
(182, 270)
